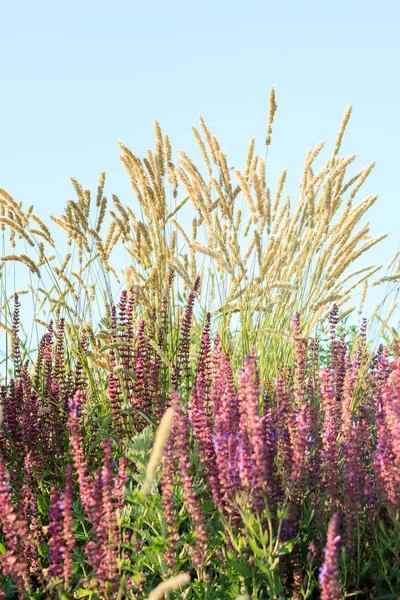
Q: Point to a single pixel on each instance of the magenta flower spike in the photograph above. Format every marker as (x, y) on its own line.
(193, 504)
(15, 530)
(330, 455)
(329, 573)
(68, 534)
(76, 442)
(56, 545)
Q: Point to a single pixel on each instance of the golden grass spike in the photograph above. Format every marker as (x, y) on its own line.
(342, 266)
(120, 208)
(249, 250)
(341, 131)
(29, 212)
(203, 150)
(365, 172)
(177, 266)
(33, 231)
(80, 217)
(395, 277)
(278, 220)
(363, 296)
(7, 329)
(44, 228)
(172, 179)
(24, 259)
(363, 278)
(40, 322)
(91, 291)
(313, 154)
(356, 272)
(65, 225)
(259, 189)
(224, 203)
(272, 110)
(209, 139)
(329, 299)
(346, 312)
(168, 149)
(16, 207)
(100, 188)
(392, 260)
(79, 192)
(160, 151)
(250, 152)
(182, 232)
(16, 228)
(216, 254)
(278, 193)
(193, 171)
(247, 194)
(102, 213)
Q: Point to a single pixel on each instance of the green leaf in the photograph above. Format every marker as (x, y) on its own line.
(3, 549)
(83, 593)
(114, 346)
(286, 548)
(43, 550)
(261, 565)
(43, 504)
(145, 416)
(282, 513)
(239, 567)
(130, 374)
(256, 549)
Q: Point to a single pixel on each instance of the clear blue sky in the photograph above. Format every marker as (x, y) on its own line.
(78, 76)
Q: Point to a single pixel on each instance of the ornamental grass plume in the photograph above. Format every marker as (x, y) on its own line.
(162, 435)
(170, 585)
(329, 572)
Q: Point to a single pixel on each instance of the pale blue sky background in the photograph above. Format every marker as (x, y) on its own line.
(78, 76)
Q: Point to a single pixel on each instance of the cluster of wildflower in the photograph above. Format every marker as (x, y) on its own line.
(333, 437)
(101, 496)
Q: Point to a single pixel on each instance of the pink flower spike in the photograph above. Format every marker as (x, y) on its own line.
(329, 573)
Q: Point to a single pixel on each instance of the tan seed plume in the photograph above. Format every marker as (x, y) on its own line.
(160, 441)
(170, 585)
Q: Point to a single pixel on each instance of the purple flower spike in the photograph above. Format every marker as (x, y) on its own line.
(329, 573)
